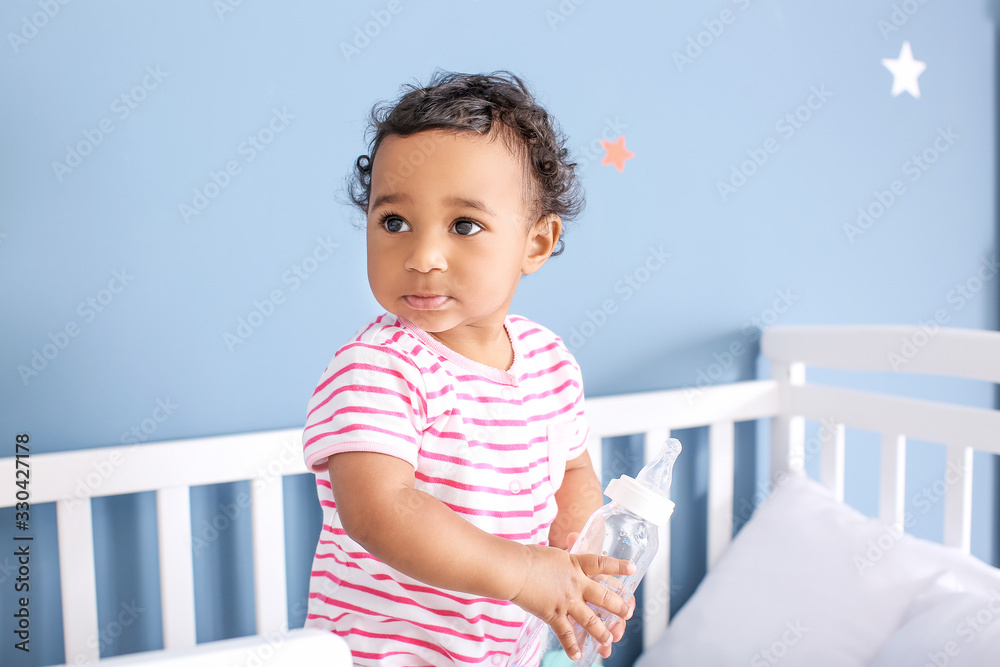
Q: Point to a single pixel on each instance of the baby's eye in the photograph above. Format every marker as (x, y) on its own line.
(467, 227)
(395, 225)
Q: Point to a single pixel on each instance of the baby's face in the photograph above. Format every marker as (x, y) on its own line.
(448, 232)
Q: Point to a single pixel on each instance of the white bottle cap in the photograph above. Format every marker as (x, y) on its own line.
(640, 499)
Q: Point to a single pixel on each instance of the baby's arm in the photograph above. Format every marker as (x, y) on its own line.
(420, 536)
(578, 497)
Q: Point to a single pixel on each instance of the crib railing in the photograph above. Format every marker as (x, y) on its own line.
(790, 401)
(964, 353)
(71, 479)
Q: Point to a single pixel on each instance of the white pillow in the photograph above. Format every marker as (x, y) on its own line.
(807, 581)
(947, 625)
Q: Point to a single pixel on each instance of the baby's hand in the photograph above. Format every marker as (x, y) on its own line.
(557, 588)
(617, 624)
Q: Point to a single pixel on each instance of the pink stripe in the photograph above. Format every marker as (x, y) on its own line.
(443, 391)
(396, 335)
(517, 537)
(551, 392)
(554, 413)
(357, 555)
(415, 351)
(380, 656)
(399, 599)
(357, 365)
(407, 640)
(358, 409)
(328, 618)
(528, 332)
(531, 535)
(365, 555)
(441, 481)
(494, 422)
(496, 514)
(551, 369)
(445, 435)
(409, 587)
(363, 427)
(454, 655)
(368, 328)
(371, 389)
(472, 442)
(384, 350)
(435, 456)
(427, 370)
(551, 346)
(473, 379)
(510, 536)
(484, 399)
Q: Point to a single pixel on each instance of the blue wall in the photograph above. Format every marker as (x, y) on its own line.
(164, 98)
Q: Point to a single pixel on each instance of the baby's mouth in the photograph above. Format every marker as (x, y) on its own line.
(429, 302)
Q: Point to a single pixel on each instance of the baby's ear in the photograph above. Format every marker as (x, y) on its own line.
(542, 239)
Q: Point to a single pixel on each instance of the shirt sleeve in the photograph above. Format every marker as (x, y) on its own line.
(369, 399)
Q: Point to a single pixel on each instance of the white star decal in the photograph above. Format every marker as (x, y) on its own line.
(905, 71)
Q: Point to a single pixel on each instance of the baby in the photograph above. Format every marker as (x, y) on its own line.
(448, 436)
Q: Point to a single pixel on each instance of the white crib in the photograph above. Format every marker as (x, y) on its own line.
(265, 457)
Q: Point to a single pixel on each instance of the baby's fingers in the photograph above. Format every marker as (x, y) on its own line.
(566, 634)
(606, 598)
(593, 564)
(592, 624)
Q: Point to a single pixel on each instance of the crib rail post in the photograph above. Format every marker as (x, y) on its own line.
(270, 590)
(721, 455)
(788, 434)
(78, 580)
(831, 473)
(173, 525)
(958, 498)
(892, 498)
(656, 583)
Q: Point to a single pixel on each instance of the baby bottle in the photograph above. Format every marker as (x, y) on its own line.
(627, 528)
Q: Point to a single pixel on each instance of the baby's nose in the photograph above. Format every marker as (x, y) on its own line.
(426, 254)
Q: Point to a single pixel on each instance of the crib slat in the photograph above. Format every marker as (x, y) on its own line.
(656, 593)
(892, 496)
(79, 580)
(958, 498)
(173, 522)
(788, 431)
(267, 510)
(831, 473)
(656, 583)
(721, 438)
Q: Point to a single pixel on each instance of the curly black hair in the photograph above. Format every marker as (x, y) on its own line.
(474, 102)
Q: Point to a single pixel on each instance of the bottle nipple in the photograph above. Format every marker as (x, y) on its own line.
(658, 473)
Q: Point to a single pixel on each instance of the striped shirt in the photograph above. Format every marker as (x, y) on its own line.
(490, 444)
